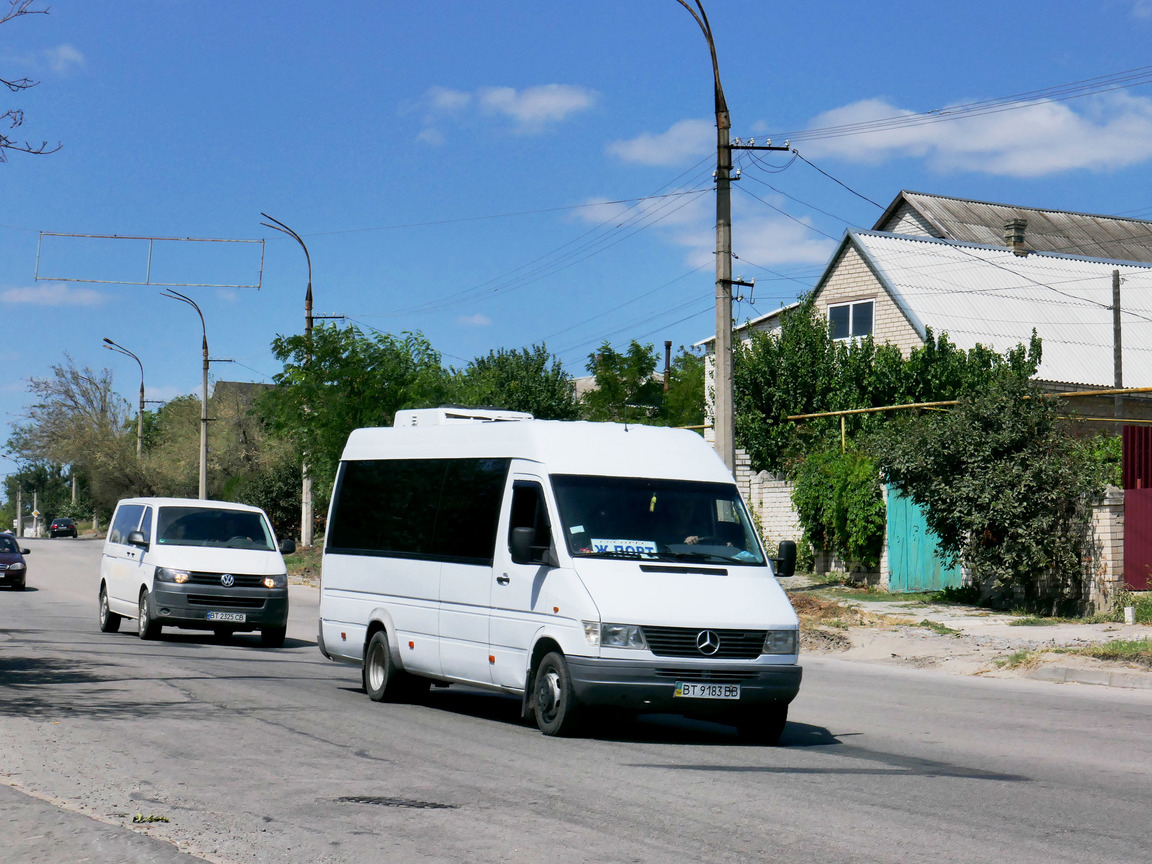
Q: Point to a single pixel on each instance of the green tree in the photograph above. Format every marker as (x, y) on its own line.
(530, 380)
(682, 403)
(1006, 489)
(625, 388)
(838, 499)
(341, 380)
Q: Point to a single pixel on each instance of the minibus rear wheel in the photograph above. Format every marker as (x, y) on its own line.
(554, 701)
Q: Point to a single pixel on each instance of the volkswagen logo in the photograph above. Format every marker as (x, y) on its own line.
(707, 642)
(227, 580)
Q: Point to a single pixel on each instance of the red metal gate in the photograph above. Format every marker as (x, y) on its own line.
(1136, 470)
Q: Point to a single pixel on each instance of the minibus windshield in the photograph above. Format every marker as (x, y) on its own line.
(647, 519)
(207, 526)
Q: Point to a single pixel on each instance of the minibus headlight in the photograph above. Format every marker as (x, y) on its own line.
(614, 635)
(280, 580)
(169, 574)
(780, 642)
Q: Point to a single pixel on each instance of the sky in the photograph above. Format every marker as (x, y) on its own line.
(507, 173)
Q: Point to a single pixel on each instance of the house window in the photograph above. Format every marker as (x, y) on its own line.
(846, 320)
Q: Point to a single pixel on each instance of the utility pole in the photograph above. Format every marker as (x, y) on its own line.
(1117, 347)
(724, 418)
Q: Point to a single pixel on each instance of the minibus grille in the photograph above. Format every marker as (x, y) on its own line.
(225, 602)
(241, 580)
(683, 642)
(708, 676)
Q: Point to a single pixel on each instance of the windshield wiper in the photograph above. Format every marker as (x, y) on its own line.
(695, 556)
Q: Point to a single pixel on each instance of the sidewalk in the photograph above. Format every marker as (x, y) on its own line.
(984, 643)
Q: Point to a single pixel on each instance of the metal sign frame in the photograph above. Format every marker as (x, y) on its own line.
(148, 271)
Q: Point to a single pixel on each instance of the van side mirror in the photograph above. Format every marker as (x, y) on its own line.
(137, 538)
(287, 546)
(521, 545)
(786, 559)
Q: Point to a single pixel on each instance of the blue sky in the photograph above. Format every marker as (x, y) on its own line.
(484, 172)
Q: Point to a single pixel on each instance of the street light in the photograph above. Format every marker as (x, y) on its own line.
(176, 295)
(112, 346)
(306, 517)
(724, 421)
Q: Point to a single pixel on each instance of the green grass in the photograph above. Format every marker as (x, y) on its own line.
(1019, 659)
(1038, 621)
(872, 595)
(304, 563)
(942, 629)
(1127, 650)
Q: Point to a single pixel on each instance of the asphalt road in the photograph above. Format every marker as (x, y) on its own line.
(259, 755)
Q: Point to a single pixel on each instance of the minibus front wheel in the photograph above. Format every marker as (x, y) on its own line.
(554, 700)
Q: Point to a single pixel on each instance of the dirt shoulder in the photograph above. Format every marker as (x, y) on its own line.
(963, 640)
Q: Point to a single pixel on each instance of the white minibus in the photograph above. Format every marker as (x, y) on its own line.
(577, 565)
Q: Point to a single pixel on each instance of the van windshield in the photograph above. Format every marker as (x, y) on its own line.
(206, 526)
(668, 520)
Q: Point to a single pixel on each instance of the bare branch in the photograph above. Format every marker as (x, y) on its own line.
(15, 116)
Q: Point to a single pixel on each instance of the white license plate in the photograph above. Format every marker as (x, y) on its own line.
(690, 690)
(226, 616)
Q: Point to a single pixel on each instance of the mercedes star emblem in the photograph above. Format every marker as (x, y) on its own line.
(707, 642)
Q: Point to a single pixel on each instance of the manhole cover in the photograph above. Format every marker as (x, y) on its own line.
(382, 801)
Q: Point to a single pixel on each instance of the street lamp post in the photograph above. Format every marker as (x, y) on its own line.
(112, 346)
(724, 419)
(176, 295)
(307, 519)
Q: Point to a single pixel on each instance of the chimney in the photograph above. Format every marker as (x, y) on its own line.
(1014, 236)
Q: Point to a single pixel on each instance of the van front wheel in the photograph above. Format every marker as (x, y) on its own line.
(146, 627)
(553, 699)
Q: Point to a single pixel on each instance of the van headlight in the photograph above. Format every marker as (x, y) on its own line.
(280, 580)
(780, 642)
(170, 574)
(614, 635)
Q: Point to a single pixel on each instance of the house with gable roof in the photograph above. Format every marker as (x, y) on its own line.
(989, 274)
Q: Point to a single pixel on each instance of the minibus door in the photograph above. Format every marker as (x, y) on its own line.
(517, 581)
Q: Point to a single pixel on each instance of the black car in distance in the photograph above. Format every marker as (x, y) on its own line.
(62, 527)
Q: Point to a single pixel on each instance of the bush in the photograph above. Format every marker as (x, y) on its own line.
(841, 508)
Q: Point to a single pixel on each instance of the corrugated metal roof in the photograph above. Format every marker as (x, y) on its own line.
(1048, 230)
(990, 296)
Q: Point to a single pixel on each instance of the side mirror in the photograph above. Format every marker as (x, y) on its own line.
(287, 546)
(25, 551)
(137, 538)
(521, 545)
(786, 559)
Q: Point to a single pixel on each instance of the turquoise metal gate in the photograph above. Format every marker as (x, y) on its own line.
(913, 563)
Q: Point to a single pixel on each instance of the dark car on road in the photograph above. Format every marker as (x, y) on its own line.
(13, 570)
(62, 527)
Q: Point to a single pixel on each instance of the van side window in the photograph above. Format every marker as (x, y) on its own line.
(126, 520)
(146, 524)
(421, 508)
(529, 511)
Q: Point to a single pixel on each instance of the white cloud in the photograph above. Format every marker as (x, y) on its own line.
(1142, 9)
(530, 111)
(54, 294)
(534, 108)
(477, 320)
(1098, 133)
(687, 139)
(63, 58)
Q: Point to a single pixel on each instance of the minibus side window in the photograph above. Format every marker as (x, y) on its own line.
(387, 506)
(469, 516)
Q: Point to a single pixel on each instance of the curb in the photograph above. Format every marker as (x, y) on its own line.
(1097, 677)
